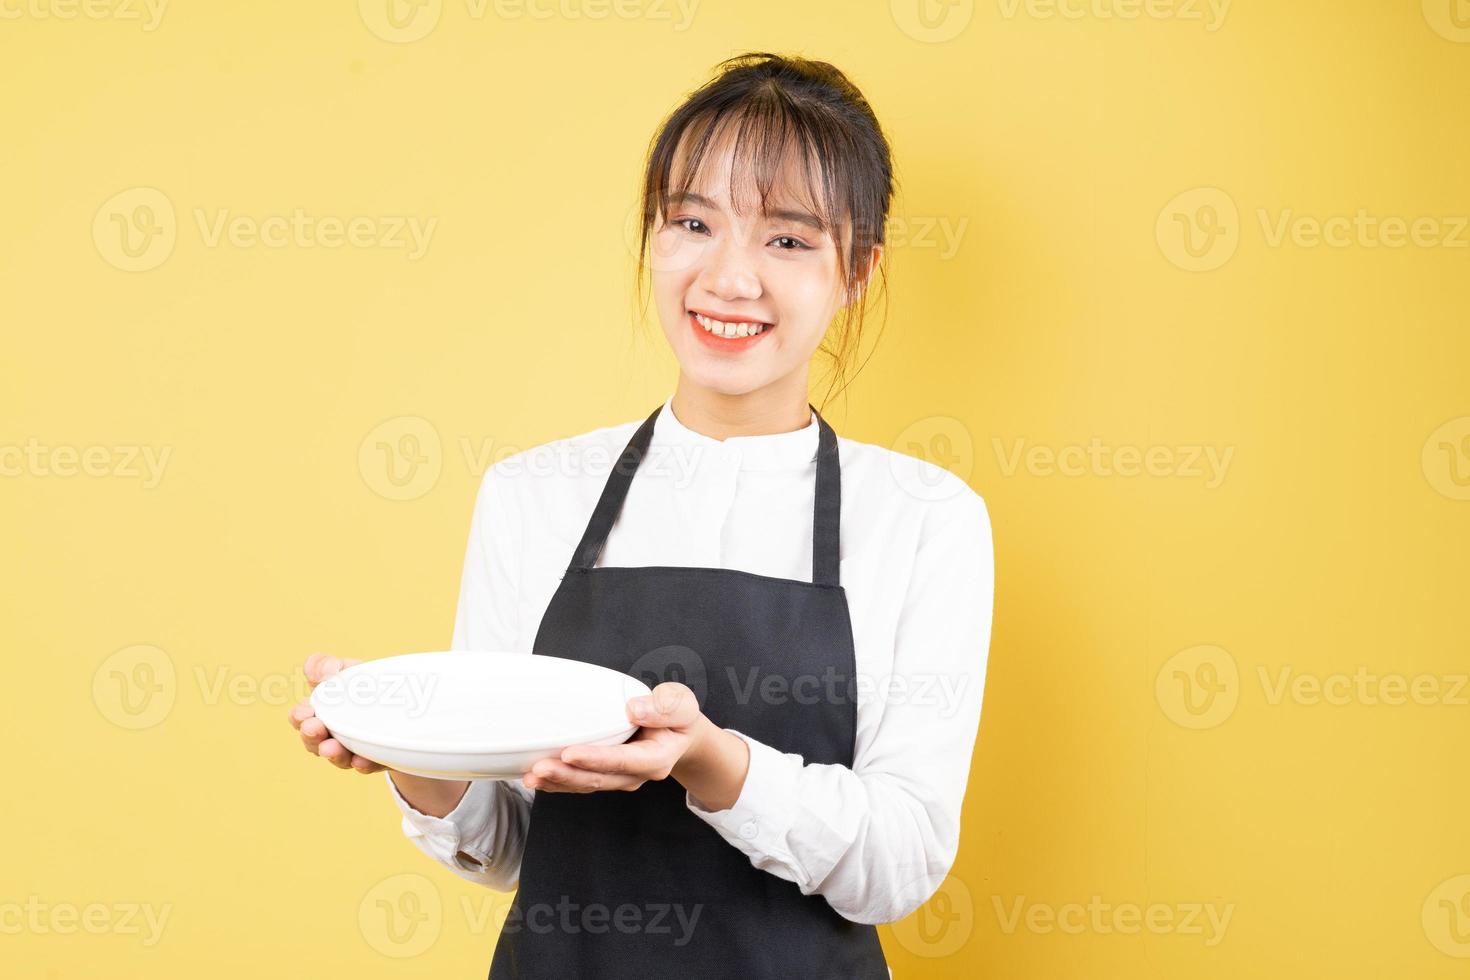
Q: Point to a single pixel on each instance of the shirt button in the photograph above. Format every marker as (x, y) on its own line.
(748, 830)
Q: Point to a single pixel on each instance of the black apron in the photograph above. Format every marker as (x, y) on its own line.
(620, 885)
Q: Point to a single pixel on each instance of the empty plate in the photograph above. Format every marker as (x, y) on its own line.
(474, 714)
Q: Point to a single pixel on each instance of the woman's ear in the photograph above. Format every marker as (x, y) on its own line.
(866, 275)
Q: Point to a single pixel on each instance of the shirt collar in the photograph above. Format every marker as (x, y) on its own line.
(771, 451)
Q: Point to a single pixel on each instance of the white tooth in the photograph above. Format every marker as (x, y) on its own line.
(721, 328)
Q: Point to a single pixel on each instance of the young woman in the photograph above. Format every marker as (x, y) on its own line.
(814, 611)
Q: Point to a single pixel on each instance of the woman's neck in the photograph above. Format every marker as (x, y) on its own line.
(778, 407)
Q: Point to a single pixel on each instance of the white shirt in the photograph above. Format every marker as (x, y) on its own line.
(875, 840)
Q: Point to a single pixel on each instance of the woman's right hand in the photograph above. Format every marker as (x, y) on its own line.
(314, 735)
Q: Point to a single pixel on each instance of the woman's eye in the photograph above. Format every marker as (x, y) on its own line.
(698, 227)
(796, 244)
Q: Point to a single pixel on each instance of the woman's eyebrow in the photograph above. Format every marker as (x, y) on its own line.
(798, 217)
(689, 197)
(781, 214)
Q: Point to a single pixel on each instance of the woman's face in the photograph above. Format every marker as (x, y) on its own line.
(776, 271)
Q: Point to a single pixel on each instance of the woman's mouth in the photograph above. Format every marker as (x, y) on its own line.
(727, 335)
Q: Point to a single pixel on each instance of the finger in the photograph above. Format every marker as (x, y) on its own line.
(320, 666)
(551, 775)
(365, 765)
(644, 758)
(300, 712)
(670, 705)
(588, 784)
(335, 753)
(310, 668)
(326, 667)
(312, 743)
(313, 732)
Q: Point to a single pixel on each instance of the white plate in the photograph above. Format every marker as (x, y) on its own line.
(474, 714)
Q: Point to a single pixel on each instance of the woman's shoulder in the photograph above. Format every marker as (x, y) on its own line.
(922, 484)
(592, 441)
(561, 462)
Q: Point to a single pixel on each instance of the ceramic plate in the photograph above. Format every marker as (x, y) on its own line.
(474, 714)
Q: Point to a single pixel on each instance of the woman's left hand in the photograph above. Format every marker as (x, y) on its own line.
(672, 725)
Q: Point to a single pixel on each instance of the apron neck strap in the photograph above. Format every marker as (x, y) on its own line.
(826, 513)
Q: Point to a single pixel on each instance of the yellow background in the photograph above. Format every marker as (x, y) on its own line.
(1067, 154)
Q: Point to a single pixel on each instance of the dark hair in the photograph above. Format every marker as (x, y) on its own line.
(771, 99)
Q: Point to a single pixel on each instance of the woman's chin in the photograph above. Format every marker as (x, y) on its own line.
(724, 379)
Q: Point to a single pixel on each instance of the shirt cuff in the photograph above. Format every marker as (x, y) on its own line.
(759, 822)
(470, 819)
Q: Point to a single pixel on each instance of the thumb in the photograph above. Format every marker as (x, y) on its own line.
(670, 705)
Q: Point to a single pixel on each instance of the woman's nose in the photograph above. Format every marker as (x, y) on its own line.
(728, 272)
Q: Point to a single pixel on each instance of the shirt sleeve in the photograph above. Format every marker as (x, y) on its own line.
(483, 837)
(877, 839)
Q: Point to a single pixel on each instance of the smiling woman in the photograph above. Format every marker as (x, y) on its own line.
(795, 605)
(773, 184)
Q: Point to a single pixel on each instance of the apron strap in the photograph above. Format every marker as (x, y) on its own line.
(826, 511)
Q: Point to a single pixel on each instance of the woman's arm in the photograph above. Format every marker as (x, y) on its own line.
(481, 838)
(433, 797)
(877, 839)
(477, 829)
(714, 768)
